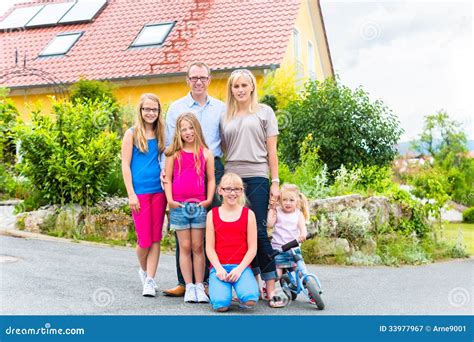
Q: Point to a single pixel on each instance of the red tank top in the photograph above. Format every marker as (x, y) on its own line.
(230, 237)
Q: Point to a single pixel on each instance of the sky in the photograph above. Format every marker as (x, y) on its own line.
(416, 56)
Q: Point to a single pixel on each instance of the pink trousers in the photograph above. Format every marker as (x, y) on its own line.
(149, 220)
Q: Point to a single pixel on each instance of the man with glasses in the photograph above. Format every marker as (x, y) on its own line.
(208, 111)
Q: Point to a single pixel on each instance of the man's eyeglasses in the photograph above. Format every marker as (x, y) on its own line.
(203, 79)
(228, 190)
(150, 110)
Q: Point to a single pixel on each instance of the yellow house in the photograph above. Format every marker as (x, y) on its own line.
(145, 46)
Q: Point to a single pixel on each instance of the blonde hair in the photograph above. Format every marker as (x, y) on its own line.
(235, 180)
(139, 136)
(302, 201)
(231, 101)
(177, 143)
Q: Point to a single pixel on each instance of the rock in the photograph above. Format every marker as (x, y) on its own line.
(109, 225)
(342, 244)
(113, 203)
(369, 247)
(335, 204)
(379, 209)
(34, 220)
(69, 217)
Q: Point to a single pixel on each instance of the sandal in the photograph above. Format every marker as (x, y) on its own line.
(277, 302)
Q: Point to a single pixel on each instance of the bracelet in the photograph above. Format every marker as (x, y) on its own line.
(276, 180)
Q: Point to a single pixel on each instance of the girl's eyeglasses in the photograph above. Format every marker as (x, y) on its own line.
(150, 110)
(229, 190)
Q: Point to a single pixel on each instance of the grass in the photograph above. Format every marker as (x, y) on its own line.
(466, 230)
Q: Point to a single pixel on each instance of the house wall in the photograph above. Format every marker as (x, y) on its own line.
(127, 92)
(308, 24)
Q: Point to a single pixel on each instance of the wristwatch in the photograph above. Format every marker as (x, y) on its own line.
(276, 180)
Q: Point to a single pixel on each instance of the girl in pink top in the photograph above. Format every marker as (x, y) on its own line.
(189, 189)
(288, 220)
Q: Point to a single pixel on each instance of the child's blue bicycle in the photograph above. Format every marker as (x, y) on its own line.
(295, 281)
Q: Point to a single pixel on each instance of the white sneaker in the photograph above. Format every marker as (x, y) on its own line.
(190, 294)
(142, 275)
(201, 294)
(149, 288)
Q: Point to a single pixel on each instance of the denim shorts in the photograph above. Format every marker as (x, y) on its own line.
(190, 216)
(285, 259)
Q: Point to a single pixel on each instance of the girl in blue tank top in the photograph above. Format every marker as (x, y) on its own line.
(142, 147)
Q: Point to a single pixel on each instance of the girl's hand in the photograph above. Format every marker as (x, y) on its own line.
(234, 275)
(134, 203)
(175, 204)
(302, 238)
(221, 273)
(205, 204)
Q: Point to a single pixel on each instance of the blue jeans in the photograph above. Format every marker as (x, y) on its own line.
(220, 292)
(218, 172)
(257, 191)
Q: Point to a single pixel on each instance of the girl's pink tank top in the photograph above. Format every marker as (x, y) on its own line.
(189, 185)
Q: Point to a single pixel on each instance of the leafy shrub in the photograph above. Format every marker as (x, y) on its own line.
(8, 118)
(348, 128)
(468, 215)
(353, 225)
(69, 159)
(310, 175)
(85, 91)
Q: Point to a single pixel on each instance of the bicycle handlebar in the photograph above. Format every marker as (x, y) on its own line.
(292, 244)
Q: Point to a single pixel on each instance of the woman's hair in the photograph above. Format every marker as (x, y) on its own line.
(302, 201)
(139, 137)
(231, 101)
(233, 179)
(177, 143)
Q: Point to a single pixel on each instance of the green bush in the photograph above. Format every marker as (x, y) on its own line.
(8, 118)
(69, 159)
(310, 175)
(85, 91)
(348, 128)
(468, 215)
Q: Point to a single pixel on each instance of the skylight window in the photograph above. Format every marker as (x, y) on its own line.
(19, 17)
(50, 14)
(83, 10)
(153, 34)
(61, 44)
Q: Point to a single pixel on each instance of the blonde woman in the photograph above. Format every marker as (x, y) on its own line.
(142, 147)
(249, 139)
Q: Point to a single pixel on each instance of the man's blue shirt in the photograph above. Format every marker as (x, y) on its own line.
(209, 116)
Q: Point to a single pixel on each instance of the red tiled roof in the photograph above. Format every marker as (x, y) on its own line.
(228, 34)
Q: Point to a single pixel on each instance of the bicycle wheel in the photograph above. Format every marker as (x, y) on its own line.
(286, 282)
(313, 290)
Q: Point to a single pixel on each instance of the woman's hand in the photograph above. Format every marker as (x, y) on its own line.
(274, 193)
(221, 273)
(175, 204)
(234, 275)
(134, 203)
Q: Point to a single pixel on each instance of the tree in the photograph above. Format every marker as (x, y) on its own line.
(348, 128)
(442, 137)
